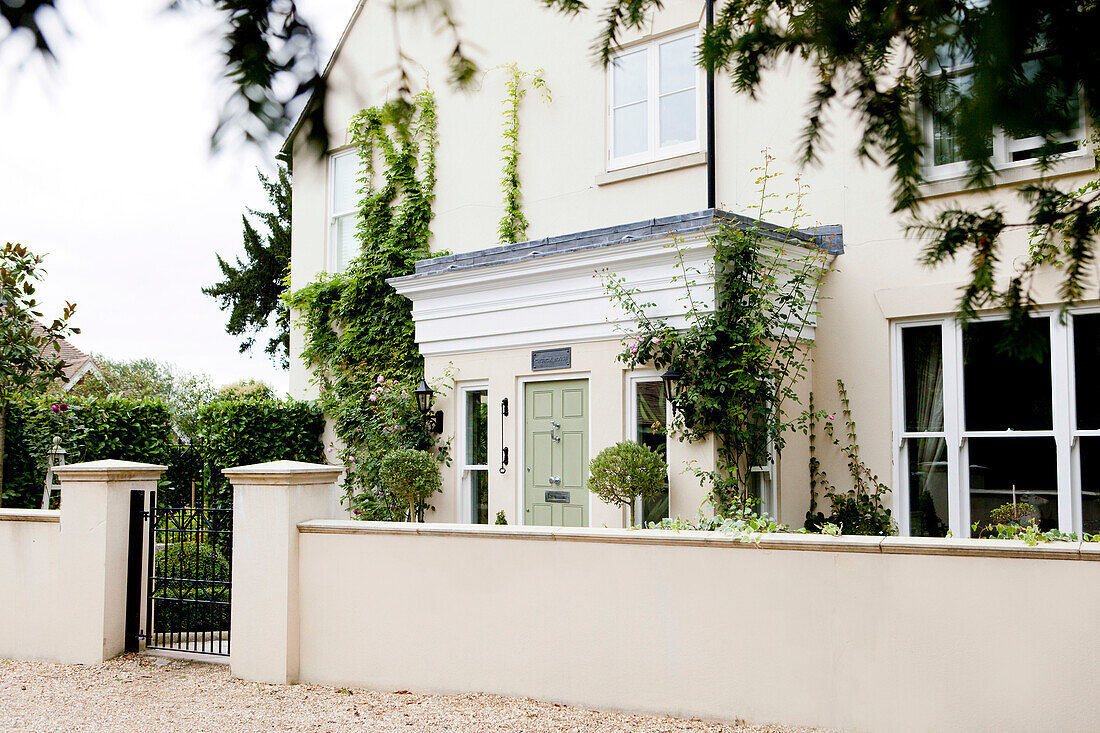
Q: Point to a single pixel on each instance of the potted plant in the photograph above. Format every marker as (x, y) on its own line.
(626, 472)
(1019, 514)
(410, 475)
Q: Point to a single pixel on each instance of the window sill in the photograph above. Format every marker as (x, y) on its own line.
(649, 169)
(1083, 162)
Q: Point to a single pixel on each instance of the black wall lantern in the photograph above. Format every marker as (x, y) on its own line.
(671, 379)
(424, 395)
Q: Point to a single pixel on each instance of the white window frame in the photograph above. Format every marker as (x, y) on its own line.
(633, 379)
(769, 503)
(654, 152)
(465, 508)
(1003, 145)
(333, 244)
(1063, 430)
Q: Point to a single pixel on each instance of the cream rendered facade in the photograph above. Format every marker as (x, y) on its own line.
(569, 186)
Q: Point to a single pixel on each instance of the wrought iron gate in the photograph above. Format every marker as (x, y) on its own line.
(190, 579)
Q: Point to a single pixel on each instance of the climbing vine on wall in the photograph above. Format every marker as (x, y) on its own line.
(359, 334)
(513, 225)
(742, 360)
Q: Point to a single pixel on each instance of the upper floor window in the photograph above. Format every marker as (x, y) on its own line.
(653, 107)
(945, 157)
(343, 209)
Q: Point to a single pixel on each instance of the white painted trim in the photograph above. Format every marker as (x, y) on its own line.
(521, 430)
(89, 366)
(332, 257)
(464, 498)
(559, 298)
(630, 422)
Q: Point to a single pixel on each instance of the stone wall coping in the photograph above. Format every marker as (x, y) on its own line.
(30, 515)
(109, 470)
(283, 473)
(952, 547)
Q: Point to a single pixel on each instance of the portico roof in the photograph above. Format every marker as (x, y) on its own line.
(829, 238)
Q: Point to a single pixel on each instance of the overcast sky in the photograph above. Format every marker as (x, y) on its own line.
(105, 167)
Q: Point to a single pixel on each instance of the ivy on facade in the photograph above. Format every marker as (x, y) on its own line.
(359, 333)
(513, 224)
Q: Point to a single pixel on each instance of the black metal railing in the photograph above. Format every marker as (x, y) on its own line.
(190, 579)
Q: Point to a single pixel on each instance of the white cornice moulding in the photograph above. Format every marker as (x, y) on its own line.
(558, 298)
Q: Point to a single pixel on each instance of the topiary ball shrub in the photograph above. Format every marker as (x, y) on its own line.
(196, 571)
(626, 472)
(411, 476)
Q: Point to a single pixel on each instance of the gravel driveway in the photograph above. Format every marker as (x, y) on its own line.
(142, 693)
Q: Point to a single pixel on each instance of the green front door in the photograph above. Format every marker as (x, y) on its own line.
(556, 451)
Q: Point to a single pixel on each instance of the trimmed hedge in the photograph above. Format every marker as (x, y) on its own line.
(233, 432)
(239, 432)
(90, 430)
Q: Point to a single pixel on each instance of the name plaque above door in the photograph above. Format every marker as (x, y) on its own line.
(551, 359)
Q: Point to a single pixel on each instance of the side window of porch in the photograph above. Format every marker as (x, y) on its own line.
(475, 458)
(650, 422)
(343, 209)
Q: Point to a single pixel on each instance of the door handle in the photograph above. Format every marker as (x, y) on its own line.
(555, 480)
(555, 426)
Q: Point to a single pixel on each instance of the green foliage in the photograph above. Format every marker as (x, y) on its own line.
(90, 430)
(147, 379)
(247, 389)
(625, 472)
(1018, 513)
(30, 361)
(1029, 533)
(185, 560)
(741, 525)
(240, 432)
(252, 291)
(501, 519)
(359, 334)
(29, 349)
(381, 419)
(513, 225)
(410, 476)
(859, 510)
(742, 361)
(354, 321)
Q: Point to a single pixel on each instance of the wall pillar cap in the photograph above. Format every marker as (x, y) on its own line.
(283, 473)
(110, 470)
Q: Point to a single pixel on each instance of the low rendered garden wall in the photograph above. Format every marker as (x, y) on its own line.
(855, 633)
(30, 546)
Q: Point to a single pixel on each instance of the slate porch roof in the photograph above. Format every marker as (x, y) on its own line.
(829, 238)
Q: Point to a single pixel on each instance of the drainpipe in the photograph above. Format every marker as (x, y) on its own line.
(712, 185)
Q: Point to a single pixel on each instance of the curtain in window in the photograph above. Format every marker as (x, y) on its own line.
(922, 351)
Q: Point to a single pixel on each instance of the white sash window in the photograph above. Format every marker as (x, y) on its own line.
(979, 425)
(653, 101)
(343, 209)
